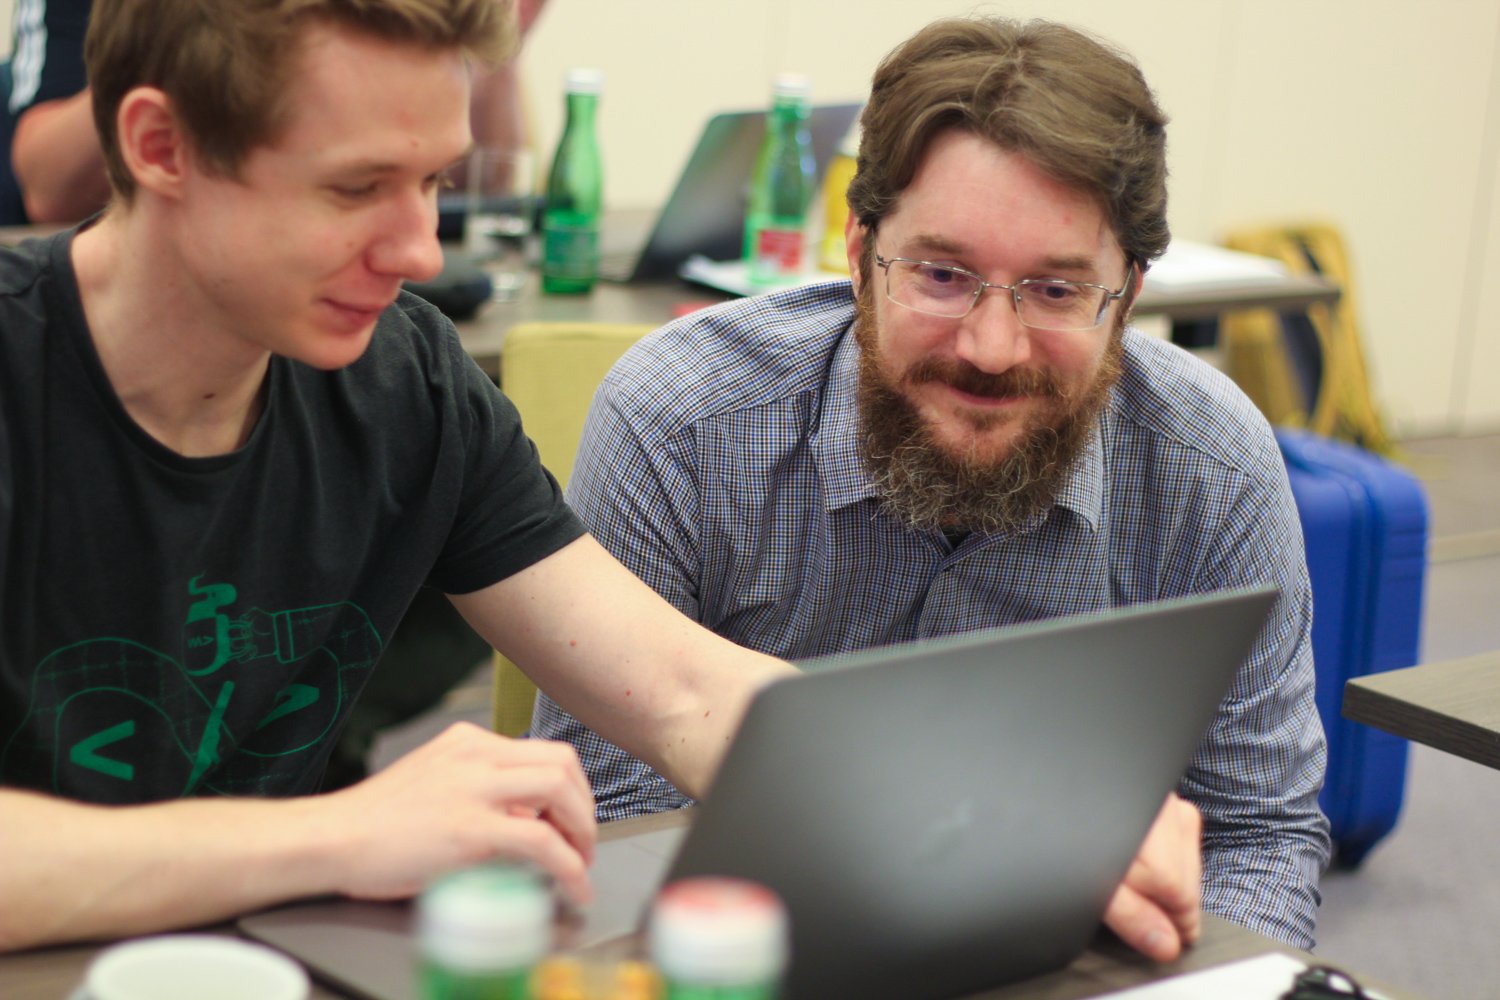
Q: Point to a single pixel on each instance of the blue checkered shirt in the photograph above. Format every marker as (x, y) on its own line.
(721, 464)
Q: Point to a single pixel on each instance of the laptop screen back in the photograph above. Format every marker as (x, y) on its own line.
(950, 815)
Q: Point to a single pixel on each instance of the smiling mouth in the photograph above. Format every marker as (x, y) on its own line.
(988, 400)
(357, 308)
(356, 313)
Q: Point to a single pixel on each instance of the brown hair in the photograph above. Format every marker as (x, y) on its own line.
(227, 64)
(1076, 107)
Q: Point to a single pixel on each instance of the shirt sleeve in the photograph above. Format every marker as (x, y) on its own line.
(636, 492)
(510, 511)
(47, 52)
(1257, 774)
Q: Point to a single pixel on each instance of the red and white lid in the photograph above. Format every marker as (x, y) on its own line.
(718, 931)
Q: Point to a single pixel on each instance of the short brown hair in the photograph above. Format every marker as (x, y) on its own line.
(1076, 107)
(227, 64)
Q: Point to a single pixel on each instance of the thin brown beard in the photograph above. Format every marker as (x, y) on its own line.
(927, 488)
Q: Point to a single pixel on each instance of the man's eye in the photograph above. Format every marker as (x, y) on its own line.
(354, 192)
(1054, 293)
(941, 276)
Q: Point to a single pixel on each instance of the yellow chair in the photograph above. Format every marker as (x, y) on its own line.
(1330, 393)
(550, 372)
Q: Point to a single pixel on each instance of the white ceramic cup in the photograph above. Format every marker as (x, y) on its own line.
(192, 967)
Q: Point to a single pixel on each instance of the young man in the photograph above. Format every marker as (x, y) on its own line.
(969, 435)
(230, 452)
(229, 456)
(57, 170)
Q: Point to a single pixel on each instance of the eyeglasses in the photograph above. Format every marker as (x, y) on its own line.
(1322, 982)
(1041, 303)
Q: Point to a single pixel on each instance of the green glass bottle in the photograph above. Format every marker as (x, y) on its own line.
(575, 193)
(719, 939)
(781, 188)
(481, 931)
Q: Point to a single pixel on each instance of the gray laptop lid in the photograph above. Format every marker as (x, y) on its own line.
(940, 816)
(951, 815)
(705, 213)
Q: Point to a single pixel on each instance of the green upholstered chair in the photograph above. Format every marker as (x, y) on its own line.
(550, 372)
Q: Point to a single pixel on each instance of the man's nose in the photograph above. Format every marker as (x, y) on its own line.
(992, 337)
(409, 246)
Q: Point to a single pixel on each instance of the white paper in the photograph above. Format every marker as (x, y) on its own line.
(733, 276)
(1186, 266)
(1265, 977)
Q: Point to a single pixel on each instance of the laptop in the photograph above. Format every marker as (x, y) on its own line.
(930, 812)
(705, 213)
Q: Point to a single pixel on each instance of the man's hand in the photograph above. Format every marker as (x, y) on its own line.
(466, 797)
(1157, 909)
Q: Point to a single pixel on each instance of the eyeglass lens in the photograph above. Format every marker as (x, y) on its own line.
(942, 291)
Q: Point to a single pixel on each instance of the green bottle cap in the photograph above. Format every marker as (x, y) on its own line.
(488, 918)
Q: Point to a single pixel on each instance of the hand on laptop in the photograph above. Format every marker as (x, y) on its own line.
(1157, 909)
(466, 797)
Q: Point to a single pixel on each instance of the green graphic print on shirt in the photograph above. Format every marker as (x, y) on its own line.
(246, 711)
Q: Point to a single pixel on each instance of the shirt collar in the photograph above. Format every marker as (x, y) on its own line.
(836, 446)
(836, 443)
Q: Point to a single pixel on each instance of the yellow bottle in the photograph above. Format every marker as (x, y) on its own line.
(836, 178)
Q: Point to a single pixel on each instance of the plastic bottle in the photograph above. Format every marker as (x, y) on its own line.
(780, 188)
(575, 193)
(481, 931)
(718, 939)
(836, 178)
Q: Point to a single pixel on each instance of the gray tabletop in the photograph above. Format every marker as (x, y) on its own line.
(1106, 966)
(1453, 705)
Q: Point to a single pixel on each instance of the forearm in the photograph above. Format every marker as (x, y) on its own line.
(622, 660)
(78, 872)
(57, 161)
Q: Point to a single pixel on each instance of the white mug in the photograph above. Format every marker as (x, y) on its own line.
(192, 967)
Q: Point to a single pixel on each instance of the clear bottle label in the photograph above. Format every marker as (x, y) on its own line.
(570, 252)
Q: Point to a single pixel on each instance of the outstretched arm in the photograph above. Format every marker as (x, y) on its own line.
(79, 872)
(57, 161)
(630, 666)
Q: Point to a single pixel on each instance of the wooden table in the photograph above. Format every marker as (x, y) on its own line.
(1293, 293)
(1453, 705)
(1106, 966)
(655, 302)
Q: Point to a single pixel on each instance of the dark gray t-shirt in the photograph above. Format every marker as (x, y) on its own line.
(176, 626)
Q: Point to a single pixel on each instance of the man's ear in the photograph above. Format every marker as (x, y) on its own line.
(854, 242)
(151, 141)
(1137, 281)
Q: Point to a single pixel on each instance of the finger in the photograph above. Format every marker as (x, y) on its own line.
(1171, 884)
(1142, 925)
(1168, 868)
(509, 751)
(540, 843)
(547, 793)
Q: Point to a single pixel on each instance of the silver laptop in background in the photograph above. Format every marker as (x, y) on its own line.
(705, 213)
(941, 816)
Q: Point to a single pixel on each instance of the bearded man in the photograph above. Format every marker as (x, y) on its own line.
(968, 434)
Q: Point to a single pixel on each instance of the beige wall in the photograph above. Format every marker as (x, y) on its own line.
(1381, 116)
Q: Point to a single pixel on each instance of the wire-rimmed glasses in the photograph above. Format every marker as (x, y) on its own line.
(1041, 303)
